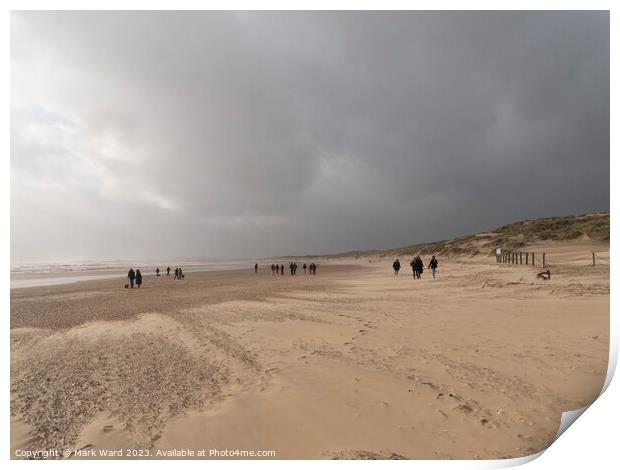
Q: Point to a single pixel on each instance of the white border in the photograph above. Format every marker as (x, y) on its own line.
(591, 442)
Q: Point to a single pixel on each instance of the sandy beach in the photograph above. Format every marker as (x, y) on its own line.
(352, 363)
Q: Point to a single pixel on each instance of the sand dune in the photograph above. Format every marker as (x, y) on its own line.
(352, 363)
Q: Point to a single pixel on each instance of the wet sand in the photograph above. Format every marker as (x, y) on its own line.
(352, 363)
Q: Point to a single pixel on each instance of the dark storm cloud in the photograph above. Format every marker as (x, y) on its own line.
(253, 133)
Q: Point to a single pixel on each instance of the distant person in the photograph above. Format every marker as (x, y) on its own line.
(138, 278)
(433, 265)
(294, 268)
(396, 266)
(282, 270)
(131, 275)
(273, 269)
(157, 272)
(168, 271)
(181, 275)
(415, 266)
(305, 267)
(419, 267)
(291, 268)
(256, 268)
(176, 273)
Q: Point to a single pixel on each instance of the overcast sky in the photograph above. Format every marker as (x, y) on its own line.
(235, 134)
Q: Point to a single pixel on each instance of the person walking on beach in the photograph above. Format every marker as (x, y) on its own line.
(396, 266)
(419, 267)
(256, 268)
(282, 270)
(305, 267)
(433, 265)
(131, 275)
(157, 272)
(181, 276)
(168, 271)
(138, 278)
(291, 268)
(413, 267)
(176, 273)
(273, 269)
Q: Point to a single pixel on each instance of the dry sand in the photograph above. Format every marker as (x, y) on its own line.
(352, 363)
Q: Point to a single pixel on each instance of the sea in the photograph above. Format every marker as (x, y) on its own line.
(49, 274)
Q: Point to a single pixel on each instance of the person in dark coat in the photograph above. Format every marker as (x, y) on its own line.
(256, 268)
(396, 266)
(282, 269)
(420, 267)
(131, 275)
(168, 271)
(305, 267)
(181, 275)
(138, 278)
(413, 267)
(176, 273)
(157, 272)
(433, 265)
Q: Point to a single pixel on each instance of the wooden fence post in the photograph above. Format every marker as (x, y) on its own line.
(593, 260)
(520, 257)
(532, 258)
(527, 257)
(544, 259)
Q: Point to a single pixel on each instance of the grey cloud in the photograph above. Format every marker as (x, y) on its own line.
(256, 133)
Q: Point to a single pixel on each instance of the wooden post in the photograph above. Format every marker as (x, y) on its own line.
(593, 260)
(520, 257)
(532, 258)
(527, 257)
(543, 259)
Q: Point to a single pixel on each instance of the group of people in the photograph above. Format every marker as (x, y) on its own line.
(275, 269)
(167, 271)
(134, 276)
(311, 268)
(417, 266)
(279, 268)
